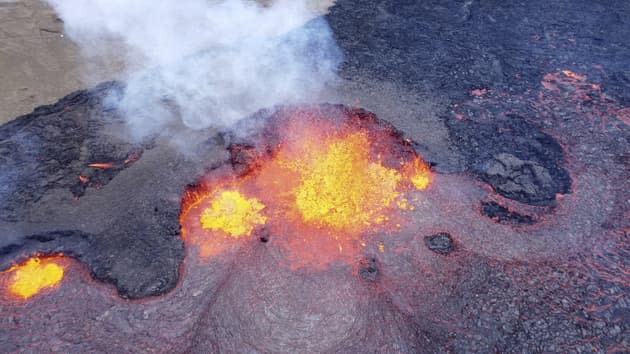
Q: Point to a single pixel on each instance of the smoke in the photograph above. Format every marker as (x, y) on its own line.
(206, 63)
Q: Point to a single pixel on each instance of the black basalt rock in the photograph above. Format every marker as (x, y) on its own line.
(501, 214)
(368, 269)
(517, 159)
(441, 243)
(53, 199)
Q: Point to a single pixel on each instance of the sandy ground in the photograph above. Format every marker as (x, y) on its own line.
(39, 64)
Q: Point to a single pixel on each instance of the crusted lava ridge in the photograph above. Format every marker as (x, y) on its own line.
(52, 200)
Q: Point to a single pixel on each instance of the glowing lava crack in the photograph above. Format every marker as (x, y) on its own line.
(330, 177)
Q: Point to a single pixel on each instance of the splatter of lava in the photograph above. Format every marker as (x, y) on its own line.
(314, 183)
(33, 276)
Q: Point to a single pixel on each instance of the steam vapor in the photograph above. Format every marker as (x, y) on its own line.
(208, 63)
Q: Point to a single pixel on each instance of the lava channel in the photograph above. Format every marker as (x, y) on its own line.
(315, 183)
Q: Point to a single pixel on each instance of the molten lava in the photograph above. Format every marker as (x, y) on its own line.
(233, 214)
(419, 174)
(101, 165)
(325, 184)
(339, 187)
(34, 275)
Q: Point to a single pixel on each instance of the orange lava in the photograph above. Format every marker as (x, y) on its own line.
(325, 186)
(334, 184)
(573, 75)
(133, 157)
(233, 214)
(590, 102)
(33, 276)
(102, 165)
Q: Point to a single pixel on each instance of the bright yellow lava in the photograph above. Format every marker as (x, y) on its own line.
(234, 214)
(341, 188)
(422, 176)
(420, 181)
(319, 188)
(33, 276)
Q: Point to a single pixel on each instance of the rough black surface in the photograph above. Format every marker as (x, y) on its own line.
(128, 271)
(42, 157)
(42, 136)
(502, 214)
(518, 160)
(368, 269)
(441, 243)
(140, 255)
(242, 158)
(47, 242)
(455, 46)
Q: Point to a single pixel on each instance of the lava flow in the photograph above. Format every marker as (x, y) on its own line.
(330, 177)
(31, 277)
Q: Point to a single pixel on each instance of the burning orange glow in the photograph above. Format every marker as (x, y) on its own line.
(34, 275)
(133, 157)
(573, 75)
(589, 100)
(419, 174)
(233, 214)
(83, 179)
(102, 165)
(325, 186)
(339, 186)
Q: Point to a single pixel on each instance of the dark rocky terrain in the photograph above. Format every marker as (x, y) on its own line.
(49, 205)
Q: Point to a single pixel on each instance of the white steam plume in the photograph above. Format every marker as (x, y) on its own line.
(216, 60)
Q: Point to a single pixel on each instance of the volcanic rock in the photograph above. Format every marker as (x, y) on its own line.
(57, 167)
(453, 46)
(242, 158)
(368, 269)
(512, 176)
(35, 148)
(502, 214)
(517, 159)
(263, 234)
(441, 243)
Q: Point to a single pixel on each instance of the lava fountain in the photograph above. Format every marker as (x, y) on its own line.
(315, 181)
